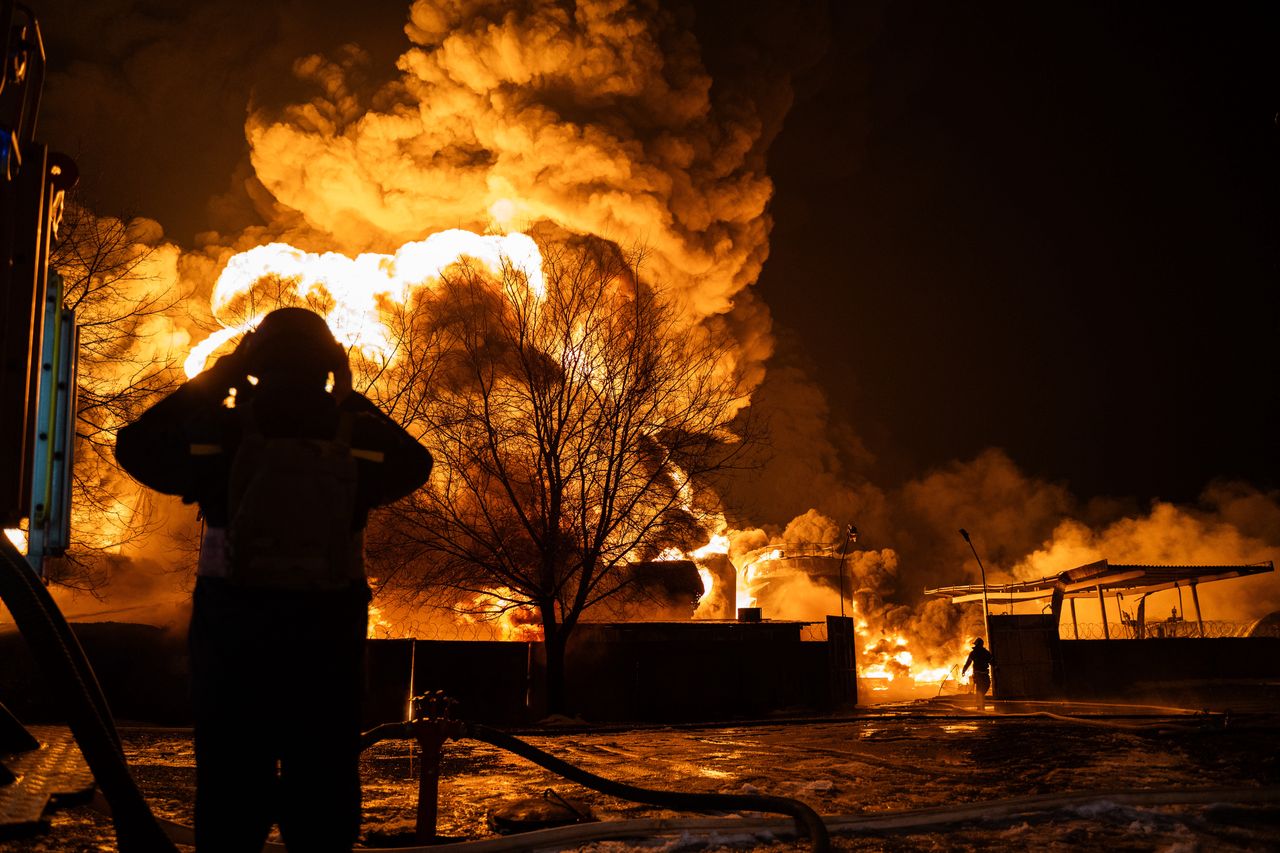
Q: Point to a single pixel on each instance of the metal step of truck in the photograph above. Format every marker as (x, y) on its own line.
(52, 775)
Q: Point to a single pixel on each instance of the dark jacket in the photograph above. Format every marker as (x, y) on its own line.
(980, 658)
(184, 445)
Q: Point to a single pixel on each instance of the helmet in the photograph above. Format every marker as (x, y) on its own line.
(293, 340)
(978, 642)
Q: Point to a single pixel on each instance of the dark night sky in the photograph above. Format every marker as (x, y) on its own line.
(1052, 230)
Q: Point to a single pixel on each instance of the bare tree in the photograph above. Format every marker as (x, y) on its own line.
(568, 428)
(105, 265)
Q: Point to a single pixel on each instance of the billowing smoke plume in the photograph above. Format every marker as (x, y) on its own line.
(601, 118)
(909, 645)
(819, 477)
(1233, 524)
(1026, 528)
(598, 117)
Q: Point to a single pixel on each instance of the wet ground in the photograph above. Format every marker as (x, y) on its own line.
(909, 757)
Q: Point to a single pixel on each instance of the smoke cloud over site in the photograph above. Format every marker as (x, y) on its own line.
(600, 118)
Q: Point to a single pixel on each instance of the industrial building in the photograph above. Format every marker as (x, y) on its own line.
(1043, 650)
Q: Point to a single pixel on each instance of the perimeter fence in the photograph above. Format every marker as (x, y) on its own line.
(1165, 630)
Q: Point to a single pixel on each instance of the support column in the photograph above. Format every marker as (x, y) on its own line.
(1195, 599)
(1102, 606)
(1075, 626)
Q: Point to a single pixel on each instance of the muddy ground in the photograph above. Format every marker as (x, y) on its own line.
(907, 757)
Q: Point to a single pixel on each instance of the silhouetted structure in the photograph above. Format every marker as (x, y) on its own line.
(1040, 656)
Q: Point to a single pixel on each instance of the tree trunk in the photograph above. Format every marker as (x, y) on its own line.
(553, 638)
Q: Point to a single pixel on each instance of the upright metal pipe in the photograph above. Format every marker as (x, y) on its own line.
(1102, 605)
(1196, 600)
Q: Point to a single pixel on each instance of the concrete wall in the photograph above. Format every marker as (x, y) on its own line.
(142, 671)
(489, 680)
(615, 672)
(695, 671)
(1026, 649)
(682, 671)
(1094, 668)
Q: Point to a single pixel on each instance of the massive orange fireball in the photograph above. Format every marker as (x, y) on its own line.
(355, 286)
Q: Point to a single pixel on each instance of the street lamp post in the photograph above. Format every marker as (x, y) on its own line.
(850, 535)
(986, 612)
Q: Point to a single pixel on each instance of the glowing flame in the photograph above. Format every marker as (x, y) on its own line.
(379, 625)
(200, 353)
(348, 290)
(18, 538)
(934, 675)
(888, 661)
(719, 544)
(708, 583)
(517, 622)
(749, 577)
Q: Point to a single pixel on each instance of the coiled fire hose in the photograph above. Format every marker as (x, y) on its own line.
(808, 822)
(804, 816)
(75, 687)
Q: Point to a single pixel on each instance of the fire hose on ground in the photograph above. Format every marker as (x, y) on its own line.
(431, 733)
(918, 820)
(434, 727)
(1029, 808)
(1162, 726)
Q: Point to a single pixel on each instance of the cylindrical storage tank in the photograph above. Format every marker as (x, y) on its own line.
(724, 588)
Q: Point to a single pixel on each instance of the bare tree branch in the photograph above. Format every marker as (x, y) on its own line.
(105, 264)
(568, 428)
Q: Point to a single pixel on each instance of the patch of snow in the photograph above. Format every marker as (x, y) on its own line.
(818, 786)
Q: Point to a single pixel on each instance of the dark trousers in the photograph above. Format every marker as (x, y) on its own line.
(277, 679)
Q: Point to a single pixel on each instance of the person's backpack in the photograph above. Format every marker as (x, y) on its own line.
(292, 504)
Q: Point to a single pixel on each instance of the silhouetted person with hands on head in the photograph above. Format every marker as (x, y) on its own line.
(981, 660)
(285, 473)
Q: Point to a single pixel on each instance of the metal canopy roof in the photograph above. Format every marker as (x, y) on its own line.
(1085, 580)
